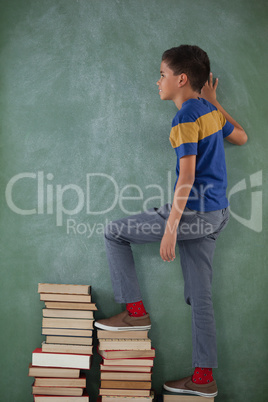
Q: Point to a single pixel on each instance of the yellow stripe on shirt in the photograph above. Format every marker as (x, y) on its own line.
(203, 127)
(210, 123)
(183, 133)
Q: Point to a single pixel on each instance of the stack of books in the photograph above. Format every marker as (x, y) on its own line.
(126, 368)
(68, 325)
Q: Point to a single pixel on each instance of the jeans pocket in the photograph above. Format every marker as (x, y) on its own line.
(213, 218)
(223, 224)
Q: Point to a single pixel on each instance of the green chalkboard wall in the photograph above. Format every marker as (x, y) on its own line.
(85, 139)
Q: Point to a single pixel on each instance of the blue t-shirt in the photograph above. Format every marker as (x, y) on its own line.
(199, 129)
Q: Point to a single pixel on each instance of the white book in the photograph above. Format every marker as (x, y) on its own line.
(68, 360)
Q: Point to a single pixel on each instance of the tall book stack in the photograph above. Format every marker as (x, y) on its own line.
(126, 368)
(68, 326)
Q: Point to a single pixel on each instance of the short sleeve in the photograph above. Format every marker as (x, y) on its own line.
(227, 127)
(184, 138)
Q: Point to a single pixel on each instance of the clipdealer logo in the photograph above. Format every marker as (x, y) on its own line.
(255, 221)
(49, 194)
(50, 197)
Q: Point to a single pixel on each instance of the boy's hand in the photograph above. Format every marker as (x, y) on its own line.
(167, 247)
(208, 91)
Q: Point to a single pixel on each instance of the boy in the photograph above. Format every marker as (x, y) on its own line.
(198, 214)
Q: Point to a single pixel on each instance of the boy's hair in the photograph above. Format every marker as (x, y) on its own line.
(190, 60)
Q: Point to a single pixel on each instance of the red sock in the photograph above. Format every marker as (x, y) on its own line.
(202, 375)
(136, 309)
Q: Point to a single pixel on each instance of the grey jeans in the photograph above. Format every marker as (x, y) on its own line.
(197, 233)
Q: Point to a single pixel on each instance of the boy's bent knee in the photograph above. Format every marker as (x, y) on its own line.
(108, 232)
(112, 230)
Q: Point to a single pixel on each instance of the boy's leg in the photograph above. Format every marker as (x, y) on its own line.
(137, 229)
(196, 258)
(149, 227)
(143, 228)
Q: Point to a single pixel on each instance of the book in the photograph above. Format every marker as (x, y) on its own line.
(62, 288)
(61, 382)
(54, 313)
(67, 323)
(58, 348)
(107, 398)
(125, 344)
(127, 376)
(67, 332)
(56, 297)
(61, 398)
(57, 391)
(101, 334)
(139, 369)
(126, 354)
(35, 371)
(172, 397)
(149, 362)
(70, 305)
(113, 384)
(69, 340)
(40, 358)
(124, 392)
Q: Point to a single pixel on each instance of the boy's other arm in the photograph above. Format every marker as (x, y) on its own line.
(181, 194)
(238, 135)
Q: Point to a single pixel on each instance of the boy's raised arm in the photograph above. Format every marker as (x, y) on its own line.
(238, 136)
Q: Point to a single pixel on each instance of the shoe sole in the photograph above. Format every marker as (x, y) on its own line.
(186, 391)
(108, 328)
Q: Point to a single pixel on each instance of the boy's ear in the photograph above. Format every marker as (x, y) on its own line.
(182, 79)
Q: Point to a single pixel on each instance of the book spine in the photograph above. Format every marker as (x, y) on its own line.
(65, 289)
(57, 348)
(67, 323)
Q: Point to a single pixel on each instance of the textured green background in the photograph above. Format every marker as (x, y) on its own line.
(79, 96)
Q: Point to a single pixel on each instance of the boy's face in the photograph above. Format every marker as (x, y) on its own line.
(168, 84)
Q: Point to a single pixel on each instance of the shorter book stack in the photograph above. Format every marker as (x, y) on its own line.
(126, 368)
(68, 325)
